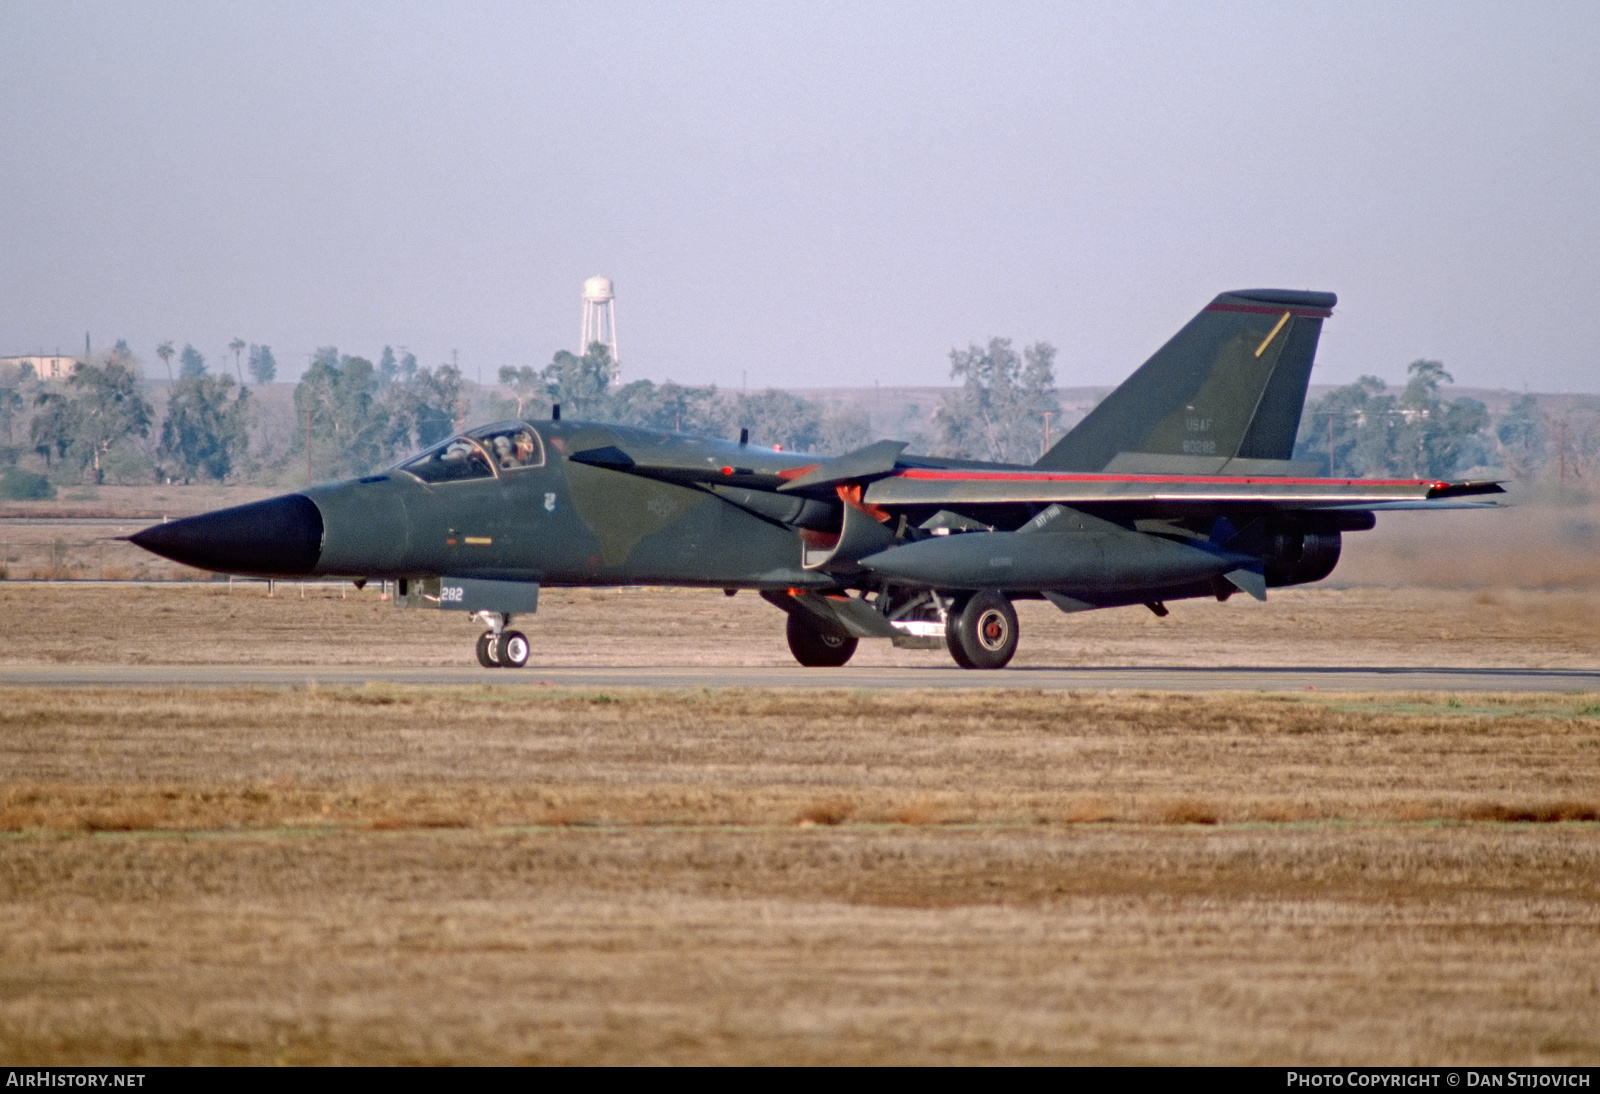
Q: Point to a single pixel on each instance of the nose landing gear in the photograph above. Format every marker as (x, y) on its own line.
(500, 648)
(513, 650)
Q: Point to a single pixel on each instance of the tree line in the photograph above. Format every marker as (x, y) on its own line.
(997, 413)
(1367, 430)
(582, 386)
(99, 424)
(352, 416)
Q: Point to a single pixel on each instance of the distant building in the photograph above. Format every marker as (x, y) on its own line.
(45, 367)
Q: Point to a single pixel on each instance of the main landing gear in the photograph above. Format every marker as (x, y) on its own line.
(815, 647)
(499, 648)
(979, 629)
(982, 634)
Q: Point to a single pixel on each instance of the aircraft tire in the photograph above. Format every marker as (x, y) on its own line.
(983, 634)
(488, 656)
(816, 648)
(514, 649)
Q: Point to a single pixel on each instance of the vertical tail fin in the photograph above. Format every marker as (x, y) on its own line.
(1229, 386)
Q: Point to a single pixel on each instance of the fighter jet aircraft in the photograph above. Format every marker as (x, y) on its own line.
(1178, 484)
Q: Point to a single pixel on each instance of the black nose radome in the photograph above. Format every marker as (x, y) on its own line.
(277, 538)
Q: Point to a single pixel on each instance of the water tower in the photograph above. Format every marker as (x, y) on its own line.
(600, 321)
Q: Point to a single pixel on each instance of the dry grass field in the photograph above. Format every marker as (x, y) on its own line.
(523, 874)
(827, 945)
(493, 874)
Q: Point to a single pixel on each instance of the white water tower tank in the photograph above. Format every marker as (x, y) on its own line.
(600, 321)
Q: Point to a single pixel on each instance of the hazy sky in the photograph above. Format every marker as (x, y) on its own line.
(818, 194)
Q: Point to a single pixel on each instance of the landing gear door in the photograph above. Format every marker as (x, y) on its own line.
(417, 592)
(469, 594)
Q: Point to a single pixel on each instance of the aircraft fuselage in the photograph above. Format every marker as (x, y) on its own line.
(1178, 484)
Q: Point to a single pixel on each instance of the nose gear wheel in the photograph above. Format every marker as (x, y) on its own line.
(513, 652)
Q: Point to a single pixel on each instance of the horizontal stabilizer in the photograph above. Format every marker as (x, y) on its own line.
(1445, 503)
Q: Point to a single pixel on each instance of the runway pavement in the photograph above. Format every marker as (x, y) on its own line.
(1159, 678)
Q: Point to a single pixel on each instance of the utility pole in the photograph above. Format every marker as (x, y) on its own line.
(1330, 415)
(308, 425)
(1046, 434)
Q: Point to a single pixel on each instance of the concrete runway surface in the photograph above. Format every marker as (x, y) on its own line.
(1154, 678)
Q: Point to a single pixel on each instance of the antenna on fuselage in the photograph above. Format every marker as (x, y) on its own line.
(555, 412)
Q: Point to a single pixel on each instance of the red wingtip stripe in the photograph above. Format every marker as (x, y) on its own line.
(1094, 477)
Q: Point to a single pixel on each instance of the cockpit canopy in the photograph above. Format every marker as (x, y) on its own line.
(480, 454)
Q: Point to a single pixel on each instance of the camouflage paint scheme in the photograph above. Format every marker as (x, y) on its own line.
(1178, 484)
